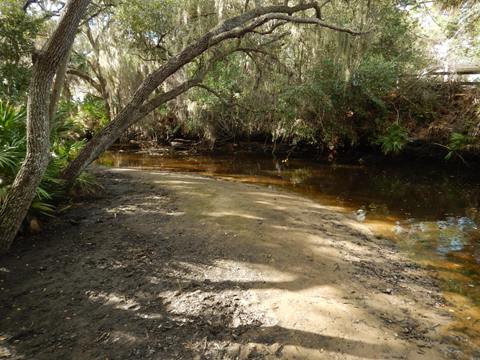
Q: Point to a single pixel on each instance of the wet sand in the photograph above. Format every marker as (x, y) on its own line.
(167, 265)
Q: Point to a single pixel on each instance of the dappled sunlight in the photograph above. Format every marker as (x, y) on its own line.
(276, 207)
(5, 352)
(228, 270)
(264, 203)
(357, 226)
(7, 349)
(262, 272)
(172, 213)
(317, 206)
(272, 195)
(123, 338)
(175, 182)
(299, 344)
(116, 300)
(152, 316)
(172, 186)
(235, 214)
(128, 209)
(180, 187)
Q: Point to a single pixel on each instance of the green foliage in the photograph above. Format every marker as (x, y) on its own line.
(12, 139)
(456, 144)
(394, 139)
(376, 76)
(309, 111)
(148, 25)
(328, 104)
(92, 113)
(17, 33)
(307, 85)
(321, 87)
(12, 152)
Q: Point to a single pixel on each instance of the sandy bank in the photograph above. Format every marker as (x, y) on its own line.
(175, 266)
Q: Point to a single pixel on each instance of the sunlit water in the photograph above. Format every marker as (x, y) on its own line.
(432, 214)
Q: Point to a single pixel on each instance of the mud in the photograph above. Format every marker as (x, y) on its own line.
(166, 265)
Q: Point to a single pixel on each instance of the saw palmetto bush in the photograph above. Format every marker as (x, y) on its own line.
(13, 149)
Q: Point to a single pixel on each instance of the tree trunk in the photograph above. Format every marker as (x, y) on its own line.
(98, 144)
(57, 88)
(109, 134)
(22, 192)
(235, 27)
(28, 178)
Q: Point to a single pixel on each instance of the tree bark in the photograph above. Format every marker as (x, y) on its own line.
(235, 27)
(109, 134)
(57, 87)
(46, 63)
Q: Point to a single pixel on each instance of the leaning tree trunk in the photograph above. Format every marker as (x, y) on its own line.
(131, 112)
(46, 62)
(139, 105)
(98, 144)
(126, 118)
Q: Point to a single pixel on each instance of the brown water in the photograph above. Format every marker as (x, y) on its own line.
(432, 214)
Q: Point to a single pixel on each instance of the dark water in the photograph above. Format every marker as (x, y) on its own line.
(431, 213)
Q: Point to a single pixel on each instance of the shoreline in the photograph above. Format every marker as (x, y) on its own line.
(417, 152)
(172, 265)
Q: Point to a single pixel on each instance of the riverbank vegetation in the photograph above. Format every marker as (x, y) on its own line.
(290, 179)
(333, 76)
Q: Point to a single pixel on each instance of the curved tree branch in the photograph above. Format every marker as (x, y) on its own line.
(235, 27)
(85, 77)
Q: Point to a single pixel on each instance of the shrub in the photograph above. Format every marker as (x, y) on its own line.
(12, 153)
(394, 139)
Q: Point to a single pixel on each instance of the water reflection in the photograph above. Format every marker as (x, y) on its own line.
(445, 236)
